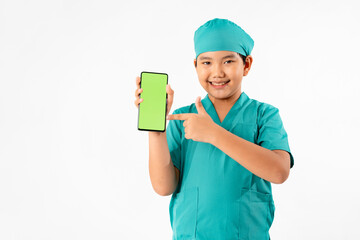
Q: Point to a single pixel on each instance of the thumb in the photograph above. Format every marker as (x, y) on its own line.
(200, 108)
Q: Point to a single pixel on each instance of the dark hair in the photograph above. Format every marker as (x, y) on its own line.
(241, 56)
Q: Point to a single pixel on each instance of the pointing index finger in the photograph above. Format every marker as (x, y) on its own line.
(183, 116)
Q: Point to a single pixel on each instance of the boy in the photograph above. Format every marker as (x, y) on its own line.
(219, 156)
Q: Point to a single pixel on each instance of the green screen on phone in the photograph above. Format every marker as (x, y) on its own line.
(152, 110)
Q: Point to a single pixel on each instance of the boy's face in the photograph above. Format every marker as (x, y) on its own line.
(220, 73)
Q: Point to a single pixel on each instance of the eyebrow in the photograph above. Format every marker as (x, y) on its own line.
(227, 56)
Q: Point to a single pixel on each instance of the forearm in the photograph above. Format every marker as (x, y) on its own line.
(161, 168)
(260, 161)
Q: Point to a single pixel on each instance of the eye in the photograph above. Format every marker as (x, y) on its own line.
(229, 61)
(206, 63)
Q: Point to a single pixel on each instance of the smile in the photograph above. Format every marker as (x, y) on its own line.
(219, 84)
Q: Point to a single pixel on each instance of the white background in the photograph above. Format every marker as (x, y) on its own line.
(74, 166)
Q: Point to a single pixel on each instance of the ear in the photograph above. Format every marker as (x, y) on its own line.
(248, 63)
(195, 63)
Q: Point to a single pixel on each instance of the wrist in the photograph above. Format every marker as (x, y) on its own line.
(156, 134)
(215, 133)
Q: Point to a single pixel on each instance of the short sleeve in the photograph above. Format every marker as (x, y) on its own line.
(271, 134)
(173, 135)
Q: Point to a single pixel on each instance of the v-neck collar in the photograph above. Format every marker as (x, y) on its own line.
(210, 109)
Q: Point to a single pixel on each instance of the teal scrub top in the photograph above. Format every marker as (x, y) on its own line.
(216, 197)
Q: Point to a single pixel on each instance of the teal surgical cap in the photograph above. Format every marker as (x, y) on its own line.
(222, 35)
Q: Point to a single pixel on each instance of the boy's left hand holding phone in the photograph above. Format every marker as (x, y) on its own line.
(139, 90)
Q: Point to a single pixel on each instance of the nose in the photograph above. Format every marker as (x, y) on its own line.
(217, 71)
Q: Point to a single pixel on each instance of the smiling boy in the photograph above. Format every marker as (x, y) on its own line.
(219, 156)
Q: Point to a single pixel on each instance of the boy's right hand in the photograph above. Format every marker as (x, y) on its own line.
(169, 92)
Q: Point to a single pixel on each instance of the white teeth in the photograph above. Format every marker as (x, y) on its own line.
(218, 84)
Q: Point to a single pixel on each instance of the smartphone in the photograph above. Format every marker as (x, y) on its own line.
(152, 110)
